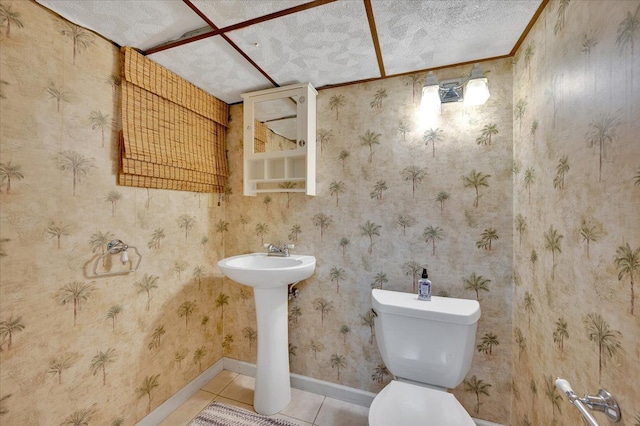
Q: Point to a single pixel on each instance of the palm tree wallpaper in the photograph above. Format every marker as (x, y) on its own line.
(74, 349)
(507, 201)
(549, 165)
(582, 220)
(395, 204)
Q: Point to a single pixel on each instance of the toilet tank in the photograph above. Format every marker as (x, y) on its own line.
(430, 342)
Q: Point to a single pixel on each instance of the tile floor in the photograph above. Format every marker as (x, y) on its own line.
(305, 409)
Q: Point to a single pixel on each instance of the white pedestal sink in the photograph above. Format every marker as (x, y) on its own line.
(270, 276)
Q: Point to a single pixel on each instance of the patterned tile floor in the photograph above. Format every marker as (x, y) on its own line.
(305, 409)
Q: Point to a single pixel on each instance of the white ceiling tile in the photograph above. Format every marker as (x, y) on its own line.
(416, 35)
(214, 66)
(138, 23)
(224, 13)
(325, 45)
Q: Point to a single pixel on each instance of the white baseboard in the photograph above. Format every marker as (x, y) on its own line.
(240, 367)
(485, 422)
(321, 387)
(309, 384)
(170, 405)
(332, 390)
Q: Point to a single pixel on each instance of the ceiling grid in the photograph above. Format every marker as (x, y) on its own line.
(228, 47)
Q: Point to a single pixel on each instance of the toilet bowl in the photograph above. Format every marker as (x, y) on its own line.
(404, 404)
(428, 347)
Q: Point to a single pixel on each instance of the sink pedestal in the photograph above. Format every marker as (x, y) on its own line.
(273, 387)
(270, 277)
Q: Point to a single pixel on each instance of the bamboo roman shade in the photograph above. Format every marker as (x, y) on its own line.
(259, 136)
(174, 134)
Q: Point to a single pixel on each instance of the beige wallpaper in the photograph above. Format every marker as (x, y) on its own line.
(396, 192)
(529, 204)
(75, 349)
(576, 204)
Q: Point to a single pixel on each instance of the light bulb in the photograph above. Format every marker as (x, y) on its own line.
(430, 99)
(477, 89)
(477, 92)
(430, 95)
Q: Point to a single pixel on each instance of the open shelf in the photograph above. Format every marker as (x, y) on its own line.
(285, 168)
(275, 185)
(296, 167)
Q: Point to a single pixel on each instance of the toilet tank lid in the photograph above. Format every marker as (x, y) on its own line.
(444, 309)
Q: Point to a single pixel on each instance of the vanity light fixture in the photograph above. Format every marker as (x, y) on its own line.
(477, 88)
(435, 93)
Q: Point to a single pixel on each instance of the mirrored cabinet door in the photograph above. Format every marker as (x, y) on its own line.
(280, 140)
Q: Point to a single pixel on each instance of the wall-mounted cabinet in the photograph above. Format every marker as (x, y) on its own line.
(280, 140)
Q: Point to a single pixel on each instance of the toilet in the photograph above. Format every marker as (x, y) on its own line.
(428, 347)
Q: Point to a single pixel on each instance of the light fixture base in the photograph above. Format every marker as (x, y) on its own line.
(451, 91)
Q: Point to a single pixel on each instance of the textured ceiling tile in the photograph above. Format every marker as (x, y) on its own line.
(228, 12)
(426, 34)
(138, 23)
(324, 45)
(329, 44)
(214, 66)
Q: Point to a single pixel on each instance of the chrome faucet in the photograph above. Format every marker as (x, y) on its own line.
(281, 250)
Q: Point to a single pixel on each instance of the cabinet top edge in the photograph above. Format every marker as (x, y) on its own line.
(279, 89)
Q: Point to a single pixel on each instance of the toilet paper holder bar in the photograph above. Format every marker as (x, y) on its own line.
(603, 401)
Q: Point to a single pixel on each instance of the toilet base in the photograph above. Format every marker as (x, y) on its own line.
(408, 404)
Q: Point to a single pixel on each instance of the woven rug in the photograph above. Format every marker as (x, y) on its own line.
(218, 414)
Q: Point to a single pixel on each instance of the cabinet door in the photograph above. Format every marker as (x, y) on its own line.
(280, 140)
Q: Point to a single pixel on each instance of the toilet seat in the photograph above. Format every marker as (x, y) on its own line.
(404, 404)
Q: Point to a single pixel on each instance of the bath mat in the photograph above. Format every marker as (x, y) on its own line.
(218, 414)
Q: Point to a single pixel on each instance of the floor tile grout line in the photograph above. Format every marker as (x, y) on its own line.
(304, 420)
(324, 398)
(227, 385)
(233, 399)
(231, 381)
(198, 413)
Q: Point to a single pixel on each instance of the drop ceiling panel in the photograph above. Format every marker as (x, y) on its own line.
(224, 13)
(416, 35)
(325, 45)
(138, 23)
(215, 67)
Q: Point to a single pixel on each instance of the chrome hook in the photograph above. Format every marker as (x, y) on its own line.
(116, 246)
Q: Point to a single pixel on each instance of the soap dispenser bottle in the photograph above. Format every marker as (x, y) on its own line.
(424, 286)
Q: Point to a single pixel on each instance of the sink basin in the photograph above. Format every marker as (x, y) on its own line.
(270, 276)
(261, 271)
